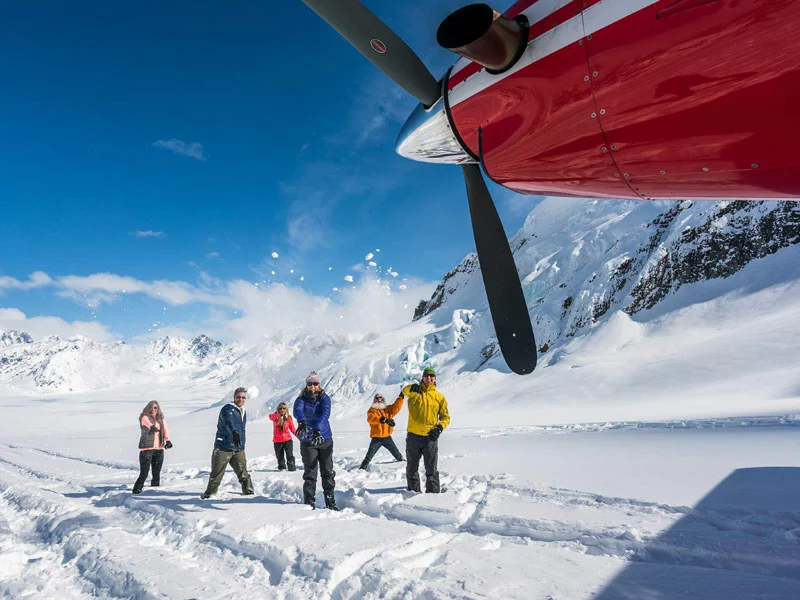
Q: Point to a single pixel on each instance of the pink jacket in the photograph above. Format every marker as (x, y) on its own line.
(152, 441)
(277, 434)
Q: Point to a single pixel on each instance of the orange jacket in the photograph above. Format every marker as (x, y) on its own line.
(378, 429)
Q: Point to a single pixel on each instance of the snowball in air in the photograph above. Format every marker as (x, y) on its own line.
(348, 278)
(274, 255)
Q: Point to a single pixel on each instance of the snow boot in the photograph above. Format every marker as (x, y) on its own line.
(364, 466)
(330, 501)
(309, 500)
(290, 464)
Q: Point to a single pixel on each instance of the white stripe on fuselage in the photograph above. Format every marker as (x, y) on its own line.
(593, 19)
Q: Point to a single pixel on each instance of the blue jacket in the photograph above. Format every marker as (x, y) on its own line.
(231, 418)
(315, 412)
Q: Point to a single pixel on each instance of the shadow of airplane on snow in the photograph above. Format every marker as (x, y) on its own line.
(741, 542)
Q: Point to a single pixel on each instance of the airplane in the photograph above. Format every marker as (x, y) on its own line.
(639, 99)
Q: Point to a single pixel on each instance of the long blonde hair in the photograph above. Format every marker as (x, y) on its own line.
(149, 407)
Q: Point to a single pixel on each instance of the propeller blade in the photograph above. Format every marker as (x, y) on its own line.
(512, 324)
(380, 45)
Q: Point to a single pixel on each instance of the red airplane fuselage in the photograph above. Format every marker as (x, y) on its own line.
(640, 99)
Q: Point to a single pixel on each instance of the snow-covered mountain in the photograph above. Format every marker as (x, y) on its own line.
(9, 338)
(81, 364)
(586, 266)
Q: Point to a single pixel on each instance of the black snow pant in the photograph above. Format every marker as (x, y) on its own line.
(428, 449)
(317, 457)
(147, 458)
(220, 459)
(284, 452)
(376, 444)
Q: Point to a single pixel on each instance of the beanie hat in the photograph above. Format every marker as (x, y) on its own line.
(313, 377)
(429, 371)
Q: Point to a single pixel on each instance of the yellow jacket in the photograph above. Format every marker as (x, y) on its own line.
(426, 409)
(378, 429)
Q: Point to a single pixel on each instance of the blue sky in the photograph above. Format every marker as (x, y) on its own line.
(167, 149)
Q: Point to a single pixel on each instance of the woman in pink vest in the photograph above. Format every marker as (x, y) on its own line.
(154, 438)
(282, 425)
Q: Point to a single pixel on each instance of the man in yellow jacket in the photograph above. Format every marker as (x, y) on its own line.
(427, 418)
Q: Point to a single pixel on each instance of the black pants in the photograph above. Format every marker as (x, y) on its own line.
(147, 458)
(317, 457)
(376, 444)
(428, 449)
(284, 452)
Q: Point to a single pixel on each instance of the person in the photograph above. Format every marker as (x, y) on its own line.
(312, 409)
(152, 441)
(282, 428)
(381, 425)
(229, 445)
(427, 419)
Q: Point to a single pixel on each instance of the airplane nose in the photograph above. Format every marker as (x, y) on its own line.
(428, 137)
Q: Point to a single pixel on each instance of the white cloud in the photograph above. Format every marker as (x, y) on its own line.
(191, 149)
(212, 255)
(103, 287)
(147, 233)
(371, 306)
(41, 327)
(36, 279)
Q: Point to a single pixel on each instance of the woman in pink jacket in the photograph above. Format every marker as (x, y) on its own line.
(153, 440)
(282, 425)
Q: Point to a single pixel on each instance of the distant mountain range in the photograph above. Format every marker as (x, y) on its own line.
(580, 262)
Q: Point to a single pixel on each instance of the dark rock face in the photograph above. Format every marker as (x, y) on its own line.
(202, 346)
(738, 233)
(12, 337)
(449, 285)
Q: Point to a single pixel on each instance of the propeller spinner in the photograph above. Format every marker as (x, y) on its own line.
(384, 48)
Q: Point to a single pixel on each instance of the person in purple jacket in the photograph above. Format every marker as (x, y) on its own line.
(312, 409)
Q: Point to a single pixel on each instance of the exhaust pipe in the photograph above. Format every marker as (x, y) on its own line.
(483, 35)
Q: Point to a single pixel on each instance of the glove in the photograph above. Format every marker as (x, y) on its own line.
(168, 445)
(383, 419)
(153, 429)
(435, 432)
(317, 439)
(237, 439)
(390, 422)
(400, 393)
(416, 389)
(301, 429)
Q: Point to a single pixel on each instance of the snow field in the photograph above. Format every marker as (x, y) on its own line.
(69, 523)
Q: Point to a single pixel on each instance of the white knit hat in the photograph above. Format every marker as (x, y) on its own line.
(313, 377)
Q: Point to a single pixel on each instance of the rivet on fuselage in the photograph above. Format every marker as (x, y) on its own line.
(663, 172)
(603, 149)
(586, 78)
(613, 147)
(588, 37)
(705, 169)
(754, 166)
(580, 42)
(594, 74)
(602, 111)
(594, 115)
(616, 174)
(626, 175)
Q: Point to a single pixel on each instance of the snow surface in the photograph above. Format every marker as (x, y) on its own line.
(652, 456)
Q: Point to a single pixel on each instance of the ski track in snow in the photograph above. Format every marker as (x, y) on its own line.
(70, 527)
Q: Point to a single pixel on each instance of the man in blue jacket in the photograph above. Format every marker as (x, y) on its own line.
(229, 445)
(312, 409)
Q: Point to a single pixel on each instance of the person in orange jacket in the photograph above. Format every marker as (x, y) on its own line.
(381, 425)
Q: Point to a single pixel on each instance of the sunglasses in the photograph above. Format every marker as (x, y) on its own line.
(378, 397)
(314, 383)
(241, 397)
(424, 376)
